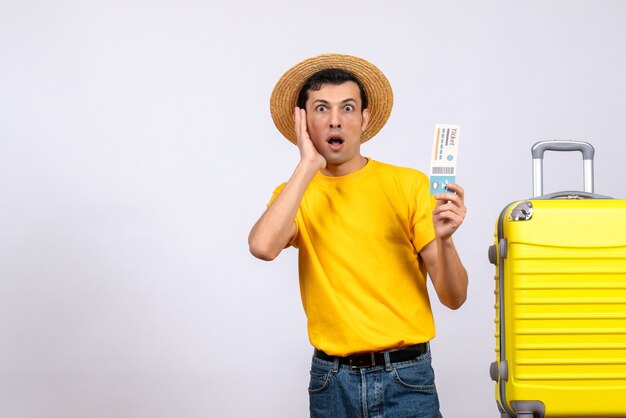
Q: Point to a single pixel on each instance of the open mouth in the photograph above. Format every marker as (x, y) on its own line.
(335, 140)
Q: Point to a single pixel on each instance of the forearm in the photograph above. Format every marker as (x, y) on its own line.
(275, 228)
(450, 279)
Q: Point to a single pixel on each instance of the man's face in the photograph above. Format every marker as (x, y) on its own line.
(335, 122)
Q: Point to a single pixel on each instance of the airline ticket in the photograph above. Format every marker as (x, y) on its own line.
(444, 156)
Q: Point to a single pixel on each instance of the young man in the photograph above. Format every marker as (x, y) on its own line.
(367, 234)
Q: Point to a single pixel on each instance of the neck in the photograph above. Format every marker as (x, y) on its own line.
(349, 167)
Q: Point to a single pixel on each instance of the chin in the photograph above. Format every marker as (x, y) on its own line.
(334, 160)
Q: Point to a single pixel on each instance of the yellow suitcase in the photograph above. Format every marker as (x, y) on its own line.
(561, 300)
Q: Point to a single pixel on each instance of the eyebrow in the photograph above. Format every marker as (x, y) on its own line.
(324, 101)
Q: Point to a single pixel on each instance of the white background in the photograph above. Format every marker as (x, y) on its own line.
(137, 150)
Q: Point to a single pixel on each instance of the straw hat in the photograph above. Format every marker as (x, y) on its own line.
(377, 89)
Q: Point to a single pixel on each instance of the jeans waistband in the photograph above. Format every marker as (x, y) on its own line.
(376, 358)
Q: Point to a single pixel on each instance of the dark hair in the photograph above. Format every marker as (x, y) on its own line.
(333, 76)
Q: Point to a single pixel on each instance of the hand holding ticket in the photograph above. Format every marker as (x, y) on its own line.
(444, 156)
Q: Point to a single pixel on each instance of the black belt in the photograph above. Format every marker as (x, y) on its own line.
(358, 361)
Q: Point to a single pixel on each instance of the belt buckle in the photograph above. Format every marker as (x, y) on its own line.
(362, 361)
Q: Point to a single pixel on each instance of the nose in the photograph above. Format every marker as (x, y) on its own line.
(335, 123)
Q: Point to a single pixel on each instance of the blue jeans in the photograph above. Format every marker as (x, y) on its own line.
(393, 390)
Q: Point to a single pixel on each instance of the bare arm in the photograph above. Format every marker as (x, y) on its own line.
(276, 227)
(442, 261)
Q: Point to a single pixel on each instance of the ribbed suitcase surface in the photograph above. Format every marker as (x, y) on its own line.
(565, 307)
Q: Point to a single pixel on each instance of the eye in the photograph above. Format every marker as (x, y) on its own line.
(321, 108)
(348, 108)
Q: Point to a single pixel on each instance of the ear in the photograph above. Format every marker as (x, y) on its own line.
(366, 119)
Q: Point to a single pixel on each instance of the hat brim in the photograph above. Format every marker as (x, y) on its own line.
(377, 88)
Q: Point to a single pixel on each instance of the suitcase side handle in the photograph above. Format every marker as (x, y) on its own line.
(541, 147)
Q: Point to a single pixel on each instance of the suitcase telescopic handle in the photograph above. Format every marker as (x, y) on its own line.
(557, 145)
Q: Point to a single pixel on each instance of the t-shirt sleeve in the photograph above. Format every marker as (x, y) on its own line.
(275, 194)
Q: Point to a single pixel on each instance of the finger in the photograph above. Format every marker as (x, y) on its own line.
(296, 122)
(455, 214)
(300, 131)
(450, 221)
(302, 127)
(443, 207)
(445, 198)
(455, 198)
(458, 190)
(454, 190)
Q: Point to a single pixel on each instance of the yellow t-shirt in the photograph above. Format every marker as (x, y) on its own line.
(362, 283)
